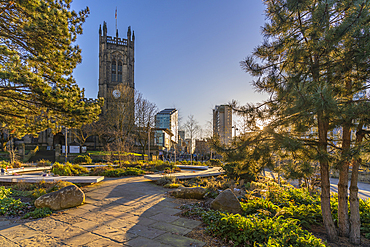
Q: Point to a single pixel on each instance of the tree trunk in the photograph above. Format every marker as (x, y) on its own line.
(325, 183)
(343, 220)
(355, 236)
(325, 202)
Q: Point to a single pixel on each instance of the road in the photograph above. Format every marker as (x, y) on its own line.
(363, 189)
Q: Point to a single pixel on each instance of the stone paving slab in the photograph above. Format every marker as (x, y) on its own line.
(103, 242)
(187, 223)
(171, 228)
(129, 212)
(164, 217)
(81, 239)
(146, 231)
(6, 242)
(179, 241)
(144, 242)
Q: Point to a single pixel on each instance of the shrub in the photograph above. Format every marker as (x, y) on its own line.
(82, 159)
(238, 170)
(114, 172)
(62, 170)
(36, 193)
(172, 186)
(9, 205)
(166, 180)
(43, 163)
(4, 164)
(68, 169)
(253, 230)
(58, 185)
(17, 164)
(99, 171)
(38, 213)
(215, 162)
(133, 171)
(79, 170)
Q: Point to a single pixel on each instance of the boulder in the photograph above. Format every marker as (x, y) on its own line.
(227, 201)
(189, 193)
(67, 197)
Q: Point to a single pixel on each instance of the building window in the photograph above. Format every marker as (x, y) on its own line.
(114, 70)
(119, 71)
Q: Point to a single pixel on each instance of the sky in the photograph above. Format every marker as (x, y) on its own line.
(187, 52)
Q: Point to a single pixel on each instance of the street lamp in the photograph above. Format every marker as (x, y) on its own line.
(235, 129)
(149, 143)
(66, 145)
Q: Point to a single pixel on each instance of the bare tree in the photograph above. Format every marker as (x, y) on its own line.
(191, 130)
(145, 112)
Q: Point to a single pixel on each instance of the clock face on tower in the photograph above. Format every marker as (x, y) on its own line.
(116, 93)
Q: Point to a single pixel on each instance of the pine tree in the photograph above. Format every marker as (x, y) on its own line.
(37, 89)
(313, 63)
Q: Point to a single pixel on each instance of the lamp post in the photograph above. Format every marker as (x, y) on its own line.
(149, 143)
(66, 145)
(235, 129)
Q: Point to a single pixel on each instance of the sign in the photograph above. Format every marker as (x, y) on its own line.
(84, 149)
(74, 149)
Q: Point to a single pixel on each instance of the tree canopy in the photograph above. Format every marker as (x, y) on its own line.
(37, 58)
(313, 63)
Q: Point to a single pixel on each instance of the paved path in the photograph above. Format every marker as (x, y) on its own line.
(118, 212)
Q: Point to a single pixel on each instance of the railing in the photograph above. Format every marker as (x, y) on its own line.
(116, 40)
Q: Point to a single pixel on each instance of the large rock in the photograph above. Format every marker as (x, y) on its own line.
(67, 197)
(189, 193)
(227, 201)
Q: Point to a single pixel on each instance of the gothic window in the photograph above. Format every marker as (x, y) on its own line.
(114, 72)
(119, 71)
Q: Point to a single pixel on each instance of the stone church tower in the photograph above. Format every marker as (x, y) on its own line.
(116, 67)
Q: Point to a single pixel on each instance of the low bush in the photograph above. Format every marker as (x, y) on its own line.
(58, 185)
(252, 230)
(43, 163)
(133, 171)
(68, 169)
(108, 171)
(36, 193)
(9, 205)
(118, 172)
(17, 164)
(167, 179)
(172, 186)
(38, 213)
(5, 164)
(98, 171)
(82, 159)
(215, 162)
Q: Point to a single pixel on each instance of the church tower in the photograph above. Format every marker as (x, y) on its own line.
(116, 67)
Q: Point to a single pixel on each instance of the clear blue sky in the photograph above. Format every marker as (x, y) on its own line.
(187, 52)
